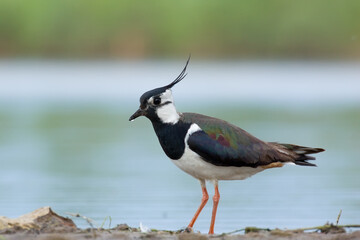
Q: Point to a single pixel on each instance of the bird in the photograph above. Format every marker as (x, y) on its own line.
(211, 149)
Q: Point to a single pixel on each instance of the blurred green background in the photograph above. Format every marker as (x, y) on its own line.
(207, 29)
(72, 72)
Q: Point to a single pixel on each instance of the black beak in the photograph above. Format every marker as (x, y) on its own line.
(137, 114)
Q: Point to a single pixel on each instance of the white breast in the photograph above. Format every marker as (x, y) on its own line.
(191, 163)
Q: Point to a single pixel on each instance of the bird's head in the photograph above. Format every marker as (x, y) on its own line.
(158, 105)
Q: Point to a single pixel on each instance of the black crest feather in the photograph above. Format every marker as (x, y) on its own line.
(181, 76)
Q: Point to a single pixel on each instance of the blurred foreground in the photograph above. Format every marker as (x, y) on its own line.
(47, 224)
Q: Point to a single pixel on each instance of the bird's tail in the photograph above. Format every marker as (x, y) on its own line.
(301, 156)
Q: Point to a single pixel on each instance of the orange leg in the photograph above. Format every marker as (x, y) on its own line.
(204, 200)
(216, 199)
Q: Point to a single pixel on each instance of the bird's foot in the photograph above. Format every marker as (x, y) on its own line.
(186, 230)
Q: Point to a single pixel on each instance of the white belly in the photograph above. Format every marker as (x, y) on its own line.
(194, 165)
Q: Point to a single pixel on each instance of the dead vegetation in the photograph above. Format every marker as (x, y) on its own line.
(45, 224)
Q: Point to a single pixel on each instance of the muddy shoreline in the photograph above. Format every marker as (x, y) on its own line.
(83, 234)
(45, 224)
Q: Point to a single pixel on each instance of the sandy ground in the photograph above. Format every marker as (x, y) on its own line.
(118, 234)
(44, 224)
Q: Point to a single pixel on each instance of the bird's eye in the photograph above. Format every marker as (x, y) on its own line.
(157, 101)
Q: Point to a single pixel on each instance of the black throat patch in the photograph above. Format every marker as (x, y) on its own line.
(172, 137)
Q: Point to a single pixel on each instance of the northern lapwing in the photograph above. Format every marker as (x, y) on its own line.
(212, 149)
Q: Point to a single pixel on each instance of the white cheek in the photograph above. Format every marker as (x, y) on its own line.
(168, 114)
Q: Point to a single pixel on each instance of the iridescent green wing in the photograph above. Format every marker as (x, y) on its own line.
(224, 144)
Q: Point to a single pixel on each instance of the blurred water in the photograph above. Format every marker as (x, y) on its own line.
(66, 141)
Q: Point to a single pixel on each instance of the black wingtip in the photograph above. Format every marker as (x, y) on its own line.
(305, 163)
(181, 76)
(301, 156)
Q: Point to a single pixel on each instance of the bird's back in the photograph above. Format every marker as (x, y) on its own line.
(224, 144)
